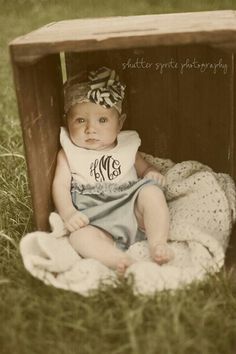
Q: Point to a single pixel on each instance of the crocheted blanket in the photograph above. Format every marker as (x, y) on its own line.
(202, 208)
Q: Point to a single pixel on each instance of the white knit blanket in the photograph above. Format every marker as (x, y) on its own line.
(202, 210)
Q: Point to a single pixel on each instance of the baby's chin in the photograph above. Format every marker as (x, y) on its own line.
(97, 146)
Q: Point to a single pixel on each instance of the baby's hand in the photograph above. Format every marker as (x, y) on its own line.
(152, 173)
(76, 221)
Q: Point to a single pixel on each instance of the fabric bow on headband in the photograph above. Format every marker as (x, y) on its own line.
(103, 87)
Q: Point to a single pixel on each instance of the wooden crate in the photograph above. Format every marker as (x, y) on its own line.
(181, 111)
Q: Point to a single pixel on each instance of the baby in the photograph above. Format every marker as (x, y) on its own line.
(108, 196)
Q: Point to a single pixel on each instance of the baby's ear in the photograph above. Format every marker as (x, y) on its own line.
(122, 118)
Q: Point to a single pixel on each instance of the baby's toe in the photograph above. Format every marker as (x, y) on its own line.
(163, 254)
(122, 265)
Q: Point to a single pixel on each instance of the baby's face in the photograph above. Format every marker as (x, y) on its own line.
(92, 126)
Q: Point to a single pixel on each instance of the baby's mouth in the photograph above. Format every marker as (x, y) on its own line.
(91, 140)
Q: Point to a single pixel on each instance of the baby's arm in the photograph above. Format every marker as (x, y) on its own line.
(73, 218)
(146, 170)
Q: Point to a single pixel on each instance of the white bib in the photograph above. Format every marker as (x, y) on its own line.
(96, 166)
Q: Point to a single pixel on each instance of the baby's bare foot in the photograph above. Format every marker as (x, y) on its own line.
(162, 253)
(123, 263)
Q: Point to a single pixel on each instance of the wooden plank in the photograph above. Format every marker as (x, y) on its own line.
(215, 27)
(194, 22)
(203, 123)
(39, 96)
(152, 97)
(231, 251)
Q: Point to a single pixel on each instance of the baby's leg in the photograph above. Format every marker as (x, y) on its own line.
(152, 214)
(92, 242)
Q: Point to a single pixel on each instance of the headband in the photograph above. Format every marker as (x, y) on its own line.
(103, 87)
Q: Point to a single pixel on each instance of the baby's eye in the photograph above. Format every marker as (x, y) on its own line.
(80, 120)
(103, 119)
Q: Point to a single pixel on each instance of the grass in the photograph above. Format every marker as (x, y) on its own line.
(39, 319)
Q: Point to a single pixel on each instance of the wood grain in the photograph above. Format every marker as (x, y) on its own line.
(210, 27)
(39, 96)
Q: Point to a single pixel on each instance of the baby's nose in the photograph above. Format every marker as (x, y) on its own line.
(90, 128)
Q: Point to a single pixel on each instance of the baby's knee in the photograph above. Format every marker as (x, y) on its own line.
(149, 195)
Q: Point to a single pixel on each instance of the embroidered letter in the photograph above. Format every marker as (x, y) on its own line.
(107, 168)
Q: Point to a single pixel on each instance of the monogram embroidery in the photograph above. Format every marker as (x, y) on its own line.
(105, 168)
